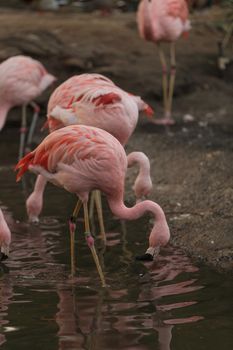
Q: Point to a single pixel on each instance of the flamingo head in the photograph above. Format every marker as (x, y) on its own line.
(5, 244)
(4, 253)
(159, 237)
(5, 238)
(149, 112)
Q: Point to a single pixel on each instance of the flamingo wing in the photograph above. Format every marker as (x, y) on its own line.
(97, 95)
(80, 143)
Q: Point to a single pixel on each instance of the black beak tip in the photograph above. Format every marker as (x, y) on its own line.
(144, 257)
(3, 256)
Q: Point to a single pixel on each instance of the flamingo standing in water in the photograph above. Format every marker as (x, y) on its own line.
(93, 99)
(81, 159)
(5, 237)
(21, 80)
(164, 21)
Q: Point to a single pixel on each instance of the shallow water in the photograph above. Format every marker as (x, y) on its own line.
(170, 304)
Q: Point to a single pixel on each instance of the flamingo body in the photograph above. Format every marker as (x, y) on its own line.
(75, 158)
(21, 80)
(69, 88)
(162, 20)
(94, 100)
(81, 159)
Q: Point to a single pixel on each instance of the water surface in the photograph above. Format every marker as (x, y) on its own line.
(170, 304)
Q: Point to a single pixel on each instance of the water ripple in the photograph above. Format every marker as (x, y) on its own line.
(163, 305)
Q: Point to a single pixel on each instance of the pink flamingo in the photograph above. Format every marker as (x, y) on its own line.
(93, 99)
(164, 21)
(21, 80)
(81, 159)
(5, 237)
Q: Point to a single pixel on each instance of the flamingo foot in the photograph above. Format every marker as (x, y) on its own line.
(163, 121)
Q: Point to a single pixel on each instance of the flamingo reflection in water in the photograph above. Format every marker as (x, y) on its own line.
(5, 237)
(161, 284)
(6, 289)
(90, 318)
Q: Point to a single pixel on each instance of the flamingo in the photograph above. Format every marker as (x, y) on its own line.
(164, 21)
(81, 159)
(5, 237)
(21, 80)
(93, 99)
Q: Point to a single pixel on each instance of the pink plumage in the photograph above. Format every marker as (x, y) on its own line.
(21, 80)
(93, 99)
(162, 20)
(5, 237)
(81, 159)
(143, 184)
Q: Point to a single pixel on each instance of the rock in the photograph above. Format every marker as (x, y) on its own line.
(37, 44)
(8, 52)
(75, 62)
(51, 5)
(188, 118)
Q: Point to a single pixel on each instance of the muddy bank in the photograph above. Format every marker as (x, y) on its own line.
(192, 162)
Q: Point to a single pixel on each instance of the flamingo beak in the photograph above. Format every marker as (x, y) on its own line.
(150, 255)
(148, 111)
(144, 257)
(3, 256)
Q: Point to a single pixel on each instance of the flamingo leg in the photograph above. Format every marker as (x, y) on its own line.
(36, 109)
(72, 227)
(164, 79)
(23, 131)
(98, 203)
(172, 78)
(91, 206)
(90, 242)
(166, 120)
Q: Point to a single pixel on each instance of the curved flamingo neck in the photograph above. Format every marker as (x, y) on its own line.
(34, 202)
(141, 159)
(143, 184)
(119, 209)
(40, 184)
(160, 233)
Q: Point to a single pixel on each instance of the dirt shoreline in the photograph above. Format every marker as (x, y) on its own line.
(192, 162)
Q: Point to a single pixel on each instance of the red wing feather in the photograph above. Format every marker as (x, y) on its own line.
(23, 165)
(107, 99)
